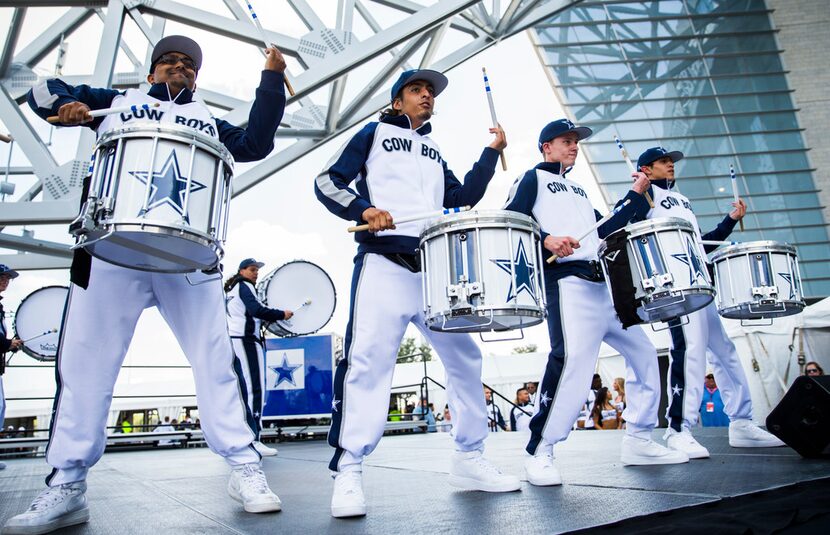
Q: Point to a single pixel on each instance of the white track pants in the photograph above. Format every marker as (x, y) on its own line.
(688, 369)
(98, 326)
(250, 359)
(580, 317)
(385, 298)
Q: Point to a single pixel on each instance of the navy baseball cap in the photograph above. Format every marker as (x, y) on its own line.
(655, 153)
(437, 80)
(6, 270)
(250, 262)
(559, 127)
(177, 43)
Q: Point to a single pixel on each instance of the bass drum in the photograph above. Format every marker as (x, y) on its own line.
(38, 321)
(303, 288)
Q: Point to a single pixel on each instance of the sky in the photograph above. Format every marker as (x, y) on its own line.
(280, 219)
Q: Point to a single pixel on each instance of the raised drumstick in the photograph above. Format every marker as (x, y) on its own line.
(416, 217)
(598, 224)
(267, 44)
(493, 113)
(631, 167)
(110, 111)
(735, 191)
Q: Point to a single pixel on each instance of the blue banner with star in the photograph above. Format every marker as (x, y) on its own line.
(298, 377)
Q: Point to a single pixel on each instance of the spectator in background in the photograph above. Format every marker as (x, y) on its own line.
(711, 406)
(446, 420)
(126, 427)
(422, 412)
(165, 427)
(813, 369)
(494, 416)
(604, 414)
(619, 399)
(532, 388)
(520, 414)
(394, 412)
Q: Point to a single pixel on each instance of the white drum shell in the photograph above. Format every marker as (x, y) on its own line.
(288, 287)
(39, 313)
(470, 269)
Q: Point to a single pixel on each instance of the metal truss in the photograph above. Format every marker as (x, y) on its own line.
(392, 34)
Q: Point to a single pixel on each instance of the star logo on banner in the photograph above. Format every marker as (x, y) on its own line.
(334, 404)
(285, 372)
(789, 278)
(544, 399)
(524, 272)
(168, 186)
(691, 259)
(675, 390)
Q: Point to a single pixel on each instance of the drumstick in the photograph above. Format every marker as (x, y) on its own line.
(735, 191)
(267, 44)
(416, 217)
(631, 167)
(598, 224)
(6, 139)
(305, 303)
(717, 242)
(50, 331)
(110, 111)
(493, 113)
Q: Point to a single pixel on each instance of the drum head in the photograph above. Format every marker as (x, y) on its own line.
(38, 321)
(291, 285)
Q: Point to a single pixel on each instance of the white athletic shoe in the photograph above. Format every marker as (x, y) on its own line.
(639, 452)
(264, 450)
(745, 434)
(540, 470)
(347, 499)
(249, 487)
(471, 471)
(685, 442)
(54, 508)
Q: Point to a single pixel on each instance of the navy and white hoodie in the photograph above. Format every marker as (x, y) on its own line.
(561, 207)
(245, 312)
(398, 169)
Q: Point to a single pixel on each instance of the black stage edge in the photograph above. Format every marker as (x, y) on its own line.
(184, 491)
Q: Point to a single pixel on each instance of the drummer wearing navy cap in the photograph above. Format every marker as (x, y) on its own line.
(6, 344)
(105, 300)
(245, 315)
(699, 331)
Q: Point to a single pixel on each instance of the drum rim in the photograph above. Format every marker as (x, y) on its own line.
(760, 246)
(171, 131)
(262, 288)
(531, 313)
(657, 224)
(469, 219)
(798, 305)
(34, 354)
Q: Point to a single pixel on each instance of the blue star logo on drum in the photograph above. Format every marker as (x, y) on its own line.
(691, 259)
(168, 186)
(285, 372)
(524, 272)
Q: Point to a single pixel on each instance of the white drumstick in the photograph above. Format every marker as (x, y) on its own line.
(717, 242)
(735, 191)
(493, 113)
(267, 44)
(111, 111)
(6, 139)
(631, 167)
(416, 217)
(598, 224)
(305, 303)
(50, 331)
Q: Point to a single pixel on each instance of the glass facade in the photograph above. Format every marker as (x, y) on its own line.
(704, 77)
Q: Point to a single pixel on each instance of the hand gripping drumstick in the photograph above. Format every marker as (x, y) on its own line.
(598, 224)
(631, 167)
(50, 331)
(493, 113)
(267, 44)
(416, 217)
(735, 191)
(6, 139)
(110, 111)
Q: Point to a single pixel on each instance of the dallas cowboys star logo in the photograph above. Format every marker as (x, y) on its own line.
(285, 372)
(789, 278)
(691, 259)
(524, 272)
(544, 399)
(334, 403)
(168, 186)
(675, 390)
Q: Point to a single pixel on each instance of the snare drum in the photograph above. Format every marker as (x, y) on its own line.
(158, 200)
(482, 272)
(667, 267)
(758, 280)
(305, 289)
(38, 321)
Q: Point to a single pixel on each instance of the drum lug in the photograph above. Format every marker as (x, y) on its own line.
(768, 294)
(85, 222)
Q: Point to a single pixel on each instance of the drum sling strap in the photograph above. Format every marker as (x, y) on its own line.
(622, 286)
(81, 260)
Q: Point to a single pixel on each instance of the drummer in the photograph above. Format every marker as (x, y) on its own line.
(704, 330)
(7, 345)
(105, 300)
(580, 313)
(245, 316)
(396, 167)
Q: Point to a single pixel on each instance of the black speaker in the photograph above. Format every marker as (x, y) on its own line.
(802, 419)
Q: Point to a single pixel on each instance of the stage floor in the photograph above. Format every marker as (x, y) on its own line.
(184, 491)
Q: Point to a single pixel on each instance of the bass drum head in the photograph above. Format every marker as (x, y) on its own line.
(38, 321)
(291, 285)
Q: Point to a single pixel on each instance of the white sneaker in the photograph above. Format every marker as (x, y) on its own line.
(638, 452)
(264, 450)
(347, 499)
(54, 508)
(685, 442)
(540, 470)
(471, 471)
(745, 434)
(249, 487)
